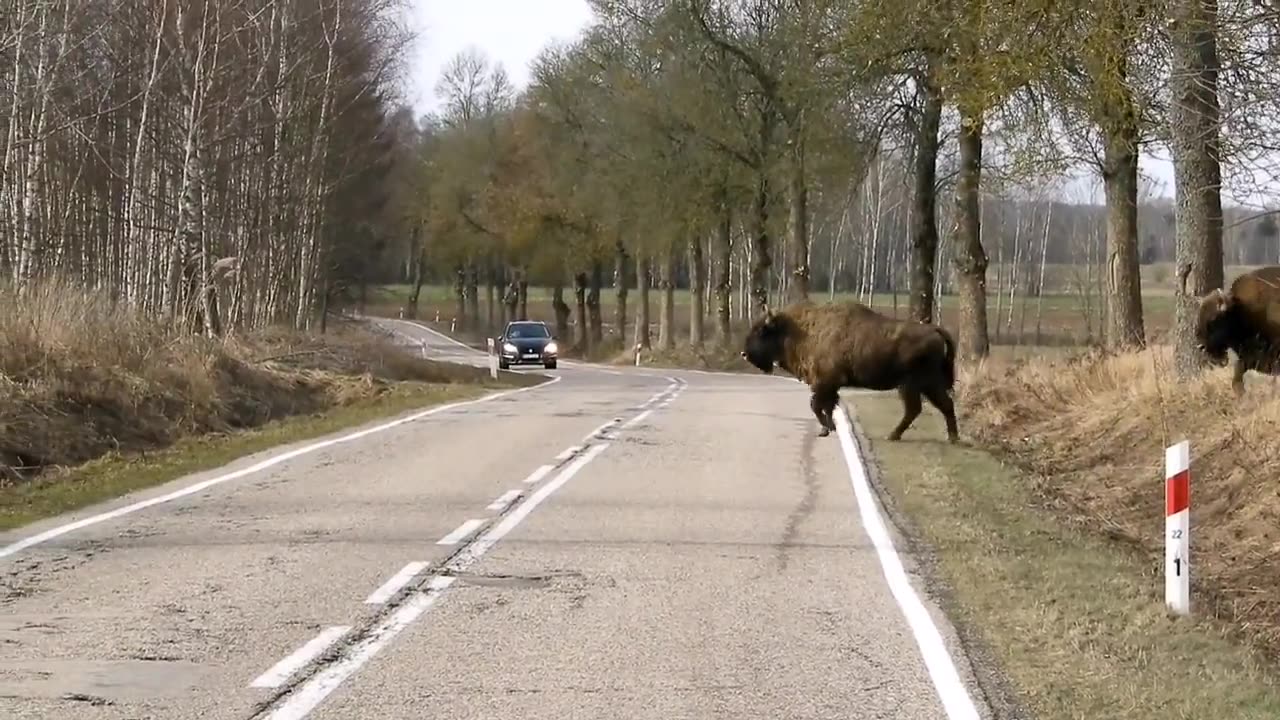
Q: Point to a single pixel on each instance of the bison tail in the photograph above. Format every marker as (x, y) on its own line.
(949, 365)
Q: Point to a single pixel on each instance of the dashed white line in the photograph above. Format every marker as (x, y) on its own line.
(281, 671)
(311, 693)
(397, 581)
(503, 500)
(951, 691)
(314, 690)
(538, 474)
(637, 419)
(462, 531)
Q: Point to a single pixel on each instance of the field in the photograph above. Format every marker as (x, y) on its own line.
(1067, 315)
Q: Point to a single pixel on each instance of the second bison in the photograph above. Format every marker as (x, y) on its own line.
(839, 345)
(1246, 320)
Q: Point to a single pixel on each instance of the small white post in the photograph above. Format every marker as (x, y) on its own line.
(1177, 528)
(453, 324)
(637, 354)
(437, 316)
(493, 360)
(401, 313)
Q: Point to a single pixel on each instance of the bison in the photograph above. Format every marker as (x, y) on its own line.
(1246, 320)
(839, 345)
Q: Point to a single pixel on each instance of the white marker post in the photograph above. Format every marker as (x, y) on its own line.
(437, 316)
(453, 324)
(493, 360)
(1177, 528)
(637, 354)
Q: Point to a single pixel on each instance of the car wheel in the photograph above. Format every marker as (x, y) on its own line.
(504, 365)
(550, 364)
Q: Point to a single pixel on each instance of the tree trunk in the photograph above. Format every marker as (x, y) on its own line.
(798, 220)
(593, 304)
(620, 283)
(761, 260)
(460, 293)
(417, 273)
(667, 309)
(582, 333)
(697, 290)
(970, 259)
(644, 278)
(473, 297)
(1124, 283)
(490, 295)
(524, 294)
(724, 272)
(924, 211)
(561, 310)
(1194, 127)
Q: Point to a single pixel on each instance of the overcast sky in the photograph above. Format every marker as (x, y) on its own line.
(514, 31)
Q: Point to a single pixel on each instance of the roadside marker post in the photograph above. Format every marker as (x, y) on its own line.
(453, 324)
(1177, 528)
(437, 316)
(637, 354)
(493, 360)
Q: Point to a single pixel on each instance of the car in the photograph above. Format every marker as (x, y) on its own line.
(526, 342)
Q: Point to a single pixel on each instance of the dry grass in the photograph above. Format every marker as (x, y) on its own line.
(81, 376)
(1096, 428)
(1068, 619)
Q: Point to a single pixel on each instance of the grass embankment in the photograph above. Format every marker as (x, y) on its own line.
(97, 401)
(1051, 546)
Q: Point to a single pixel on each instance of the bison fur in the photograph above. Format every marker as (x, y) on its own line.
(838, 345)
(1246, 320)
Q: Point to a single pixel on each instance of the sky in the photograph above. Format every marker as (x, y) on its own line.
(510, 32)
(513, 32)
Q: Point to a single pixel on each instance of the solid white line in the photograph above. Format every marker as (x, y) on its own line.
(951, 691)
(397, 581)
(47, 535)
(460, 532)
(503, 500)
(637, 419)
(282, 670)
(569, 452)
(538, 474)
(314, 690)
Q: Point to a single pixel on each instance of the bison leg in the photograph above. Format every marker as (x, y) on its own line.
(941, 400)
(911, 407)
(1237, 377)
(823, 403)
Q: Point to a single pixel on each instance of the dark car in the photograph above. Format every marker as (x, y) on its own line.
(526, 342)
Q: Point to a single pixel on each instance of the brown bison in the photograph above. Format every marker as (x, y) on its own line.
(1246, 320)
(839, 345)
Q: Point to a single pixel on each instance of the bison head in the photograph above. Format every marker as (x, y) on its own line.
(1218, 326)
(763, 347)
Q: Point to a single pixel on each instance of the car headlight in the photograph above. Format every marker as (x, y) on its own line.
(508, 347)
(550, 348)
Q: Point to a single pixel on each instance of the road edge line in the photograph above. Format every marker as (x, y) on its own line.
(60, 530)
(951, 690)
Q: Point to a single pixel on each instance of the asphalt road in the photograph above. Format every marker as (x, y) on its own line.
(618, 543)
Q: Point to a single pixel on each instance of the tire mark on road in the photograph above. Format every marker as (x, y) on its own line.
(807, 503)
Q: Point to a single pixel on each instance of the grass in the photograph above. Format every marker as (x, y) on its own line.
(97, 399)
(114, 475)
(1073, 619)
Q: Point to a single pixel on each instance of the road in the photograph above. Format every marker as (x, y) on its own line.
(616, 543)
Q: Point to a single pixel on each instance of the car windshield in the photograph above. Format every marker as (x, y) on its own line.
(527, 331)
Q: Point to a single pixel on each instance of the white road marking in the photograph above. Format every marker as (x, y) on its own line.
(538, 474)
(48, 535)
(281, 671)
(311, 693)
(637, 419)
(462, 531)
(397, 581)
(568, 452)
(503, 500)
(951, 691)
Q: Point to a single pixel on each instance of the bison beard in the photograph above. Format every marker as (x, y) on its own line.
(1246, 320)
(839, 345)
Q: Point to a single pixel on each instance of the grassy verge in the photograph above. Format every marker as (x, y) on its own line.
(1074, 620)
(114, 475)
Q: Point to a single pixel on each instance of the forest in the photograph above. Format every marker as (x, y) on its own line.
(753, 152)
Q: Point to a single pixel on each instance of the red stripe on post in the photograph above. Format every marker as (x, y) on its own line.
(1177, 493)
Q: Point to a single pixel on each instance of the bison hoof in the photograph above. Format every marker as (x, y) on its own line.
(953, 439)
(894, 437)
(823, 432)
